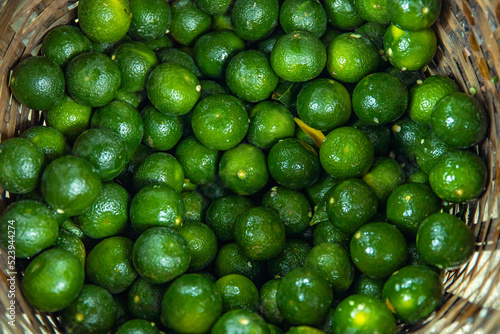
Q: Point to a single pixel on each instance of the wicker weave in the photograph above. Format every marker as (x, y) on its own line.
(469, 51)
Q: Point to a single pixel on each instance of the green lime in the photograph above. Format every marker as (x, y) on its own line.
(199, 162)
(414, 15)
(62, 43)
(304, 297)
(318, 190)
(383, 177)
(458, 176)
(243, 169)
(108, 215)
(373, 10)
(293, 163)
(53, 280)
(150, 19)
(188, 21)
(92, 79)
(374, 31)
(71, 243)
(342, 14)
(21, 165)
(269, 122)
(105, 151)
(109, 264)
(230, 259)
(202, 244)
(254, 19)
(210, 87)
(159, 168)
(156, 205)
(413, 292)
(37, 82)
(48, 139)
(459, 121)
(237, 292)
(69, 117)
(213, 7)
(70, 226)
(173, 89)
(191, 304)
(304, 330)
(213, 51)
(177, 56)
(160, 254)
(304, 137)
(195, 204)
(135, 61)
(138, 326)
(220, 122)
(408, 78)
(409, 50)
(161, 132)
(409, 204)
(268, 303)
(93, 311)
(326, 232)
(28, 227)
(351, 57)
(160, 43)
(407, 136)
(240, 321)
(363, 314)
(293, 256)
(429, 151)
(324, 104)
(70, 185)
(306, 15)
(368, 286)
(260, 233)
(373, 255)
(104, 21)
(223, 212)
(417, 176)
(379, 135)
(445, 241)
(298, 56)
(346, 152)
(144, 300)
(379, 98)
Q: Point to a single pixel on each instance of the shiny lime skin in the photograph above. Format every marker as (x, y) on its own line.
(150, 19)
(304, 330)
(211, 87)
(144, 300)
(213, 51)
(413, 292)
(379, 135)
(213, 7)
(407, 136)
(409, 204)
(104, 22)
(292, 206)
(173, 89)
(237, 292)
(346, 152)
(195, 205)
(366, 285)
(293, 256)
(31, 225)
(306, 15)
(373, 255)
(459, 121)
(458, 176)
(223, 212)
(104, 149)
(293, 163)
(53, 280)
(298, 56)
(49, 140)
(109, 213)
(202, 244)
(70, 242)
(254, 19)
(268, 303)
(269, 122)
(326, 232)
(171, 55)
(445, 241)
(333, 262)
(109, 264)
(324, 104)
(351, 204)
(375, 31)
(373, 10)
(62, 43)
(250, 76)
(137, 326)
(409, 50)
(243, 169)
(304, 297)
(429, 151)
(351, 57)
(161, 132)
(191, 304)
(384, 176)
(156, 205)
(135, 61)
(241, 322)
(342, 14)
(260, 233)
(70, 185)
(127, 123)
(198, 161)
(188, 21)
(379, 98)
(220, 121)
(37, 83)
(21, 164)
(93, 311)
(318, 190)
(359, 314)
(160, 255)
(414, 15)
(230, 259)
(159, 168)
(69, 117)
(92, 79)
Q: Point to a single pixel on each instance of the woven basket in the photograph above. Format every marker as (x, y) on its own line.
(468, 51)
